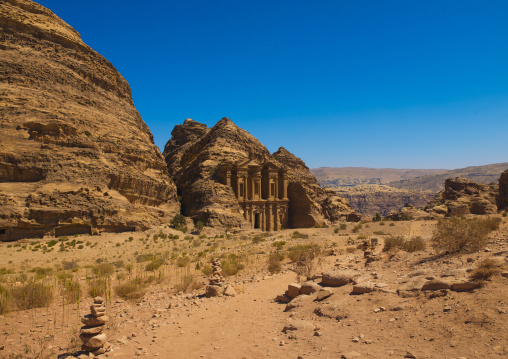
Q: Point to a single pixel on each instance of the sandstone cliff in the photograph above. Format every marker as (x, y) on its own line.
(193, 154)
(502, 199)
(74, 152)
(464, 196)
(372, 199)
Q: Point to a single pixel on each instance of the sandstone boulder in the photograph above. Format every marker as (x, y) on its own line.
(338, 278)
(309, 287)
(502, 199)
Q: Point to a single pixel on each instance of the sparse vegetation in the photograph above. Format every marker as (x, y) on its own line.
(454, 235)
(377, 218)
(413, 244)
(32, 295)
(296, 235)
(133, 289)
(179, 223)
(187, 283)
(306, 258)
(486, 269)
(231, 265)
(274, 262)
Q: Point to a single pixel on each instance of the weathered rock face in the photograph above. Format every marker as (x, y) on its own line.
(502, 199)
(75, 153)
(464, 196)
(310, 204)
(194, 153)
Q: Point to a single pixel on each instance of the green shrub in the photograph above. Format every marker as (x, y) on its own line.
(463, 235)
(199, 226)
(351, 249)
(179, 223)
(343, 226)
(144, 257)
(279, 244)
(32, 295)
(69, 265)
(377, 218)
(336, 230)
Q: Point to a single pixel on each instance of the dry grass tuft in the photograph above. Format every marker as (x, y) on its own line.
(487, 269)
(413, 244)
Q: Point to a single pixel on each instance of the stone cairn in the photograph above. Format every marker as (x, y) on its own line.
(215, 286)
(92, 335)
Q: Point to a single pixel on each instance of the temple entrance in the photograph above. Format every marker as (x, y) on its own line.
(256, 220)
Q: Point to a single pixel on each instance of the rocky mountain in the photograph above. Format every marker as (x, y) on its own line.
(354, 176)
(463, 196)
(434, 182)
(502, 199)
(194, 153)
(372, 199)
(75, 155)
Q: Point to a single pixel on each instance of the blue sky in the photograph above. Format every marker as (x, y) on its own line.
(367, 83)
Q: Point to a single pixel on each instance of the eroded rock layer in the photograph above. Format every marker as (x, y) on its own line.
(194, 153)
(74, 152)
(502, 200)
(463, 196)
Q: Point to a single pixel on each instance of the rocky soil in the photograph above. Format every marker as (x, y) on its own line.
(75, 155)
(401, 305)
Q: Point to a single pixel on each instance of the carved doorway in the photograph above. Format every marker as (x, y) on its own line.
(256, 220)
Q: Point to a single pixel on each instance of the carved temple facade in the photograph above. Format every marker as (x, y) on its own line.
(261, 191)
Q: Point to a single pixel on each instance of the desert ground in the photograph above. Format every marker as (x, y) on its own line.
(170, 317)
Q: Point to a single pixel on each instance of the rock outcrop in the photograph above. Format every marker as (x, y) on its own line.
(74, 153)
(462, 196)
(194, 153)
(502, 199)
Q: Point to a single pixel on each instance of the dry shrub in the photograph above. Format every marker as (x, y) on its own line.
(486, 269)
(6, 304)
(207, 270)
(133, 289)
(33, 295)
(154, 264)
(231, 265)
(104, 268)
(351, 249)
(463, 235)
(183, 261)
(98, 287)
(306, 258)
(296, 235)
(413, 244)
(274, 262)
(72, 291)
(187, 283)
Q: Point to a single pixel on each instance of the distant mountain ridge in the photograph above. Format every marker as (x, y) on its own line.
(435, 182)
(354, 176)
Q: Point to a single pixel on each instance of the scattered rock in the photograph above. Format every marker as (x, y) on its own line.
(229, 291)
(297, 324)
(309, 287)
(436, 284)
(350, 355)
(338, 278)
(323, 294)
(362, 288)
(465, 286)
(293, 290)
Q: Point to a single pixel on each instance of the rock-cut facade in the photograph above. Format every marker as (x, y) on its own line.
(261, 191)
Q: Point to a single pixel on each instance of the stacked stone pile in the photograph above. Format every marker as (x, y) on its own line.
(217, 278)
(92, 334)
(215, 288)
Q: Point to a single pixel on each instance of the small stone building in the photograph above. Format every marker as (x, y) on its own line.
(261, 190)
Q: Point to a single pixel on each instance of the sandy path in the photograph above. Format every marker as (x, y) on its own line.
(246, 326)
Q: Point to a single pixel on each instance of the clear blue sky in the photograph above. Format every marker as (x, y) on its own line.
(403, 84)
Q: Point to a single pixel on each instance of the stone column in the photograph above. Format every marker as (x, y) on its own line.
(269, 221)
(285, 186)
(276, 224)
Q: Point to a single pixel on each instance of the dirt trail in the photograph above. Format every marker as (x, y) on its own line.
(248, 325)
